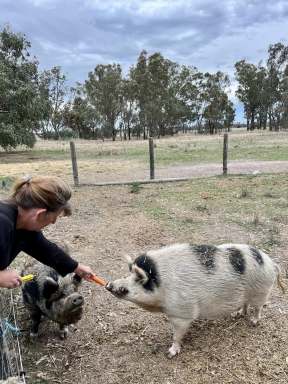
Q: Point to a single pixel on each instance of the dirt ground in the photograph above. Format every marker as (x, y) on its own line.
(117, 342)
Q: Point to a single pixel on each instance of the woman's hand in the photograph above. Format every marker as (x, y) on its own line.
(84, 271)
(9, 279)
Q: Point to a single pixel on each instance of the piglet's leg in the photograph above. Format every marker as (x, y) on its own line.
(180, 327)
(36, 318)
(63, 331)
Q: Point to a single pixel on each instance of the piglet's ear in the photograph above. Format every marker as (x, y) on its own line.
(76, 279)
(141, 275)
(50, 286)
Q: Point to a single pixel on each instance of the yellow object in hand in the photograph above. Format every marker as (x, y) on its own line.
(26, 278)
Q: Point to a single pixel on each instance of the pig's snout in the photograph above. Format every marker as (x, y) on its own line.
(109, 286)
(77, 301)
(117, 291)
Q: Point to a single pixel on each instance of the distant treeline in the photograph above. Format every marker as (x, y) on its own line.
(157, 97)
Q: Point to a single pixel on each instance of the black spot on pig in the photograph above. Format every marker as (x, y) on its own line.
(257, 255)
(31, 290)
(237, 260)
(48, 304)
(54, 275)
(50, 286)
(77, 279)
(206, 255)
(147, 264)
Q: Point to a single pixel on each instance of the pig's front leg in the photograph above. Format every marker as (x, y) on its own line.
(63, 332)
(257, 317)
(36, 318)
(180, 327)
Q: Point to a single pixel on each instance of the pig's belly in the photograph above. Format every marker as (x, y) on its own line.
(217, 309)
(208, 309)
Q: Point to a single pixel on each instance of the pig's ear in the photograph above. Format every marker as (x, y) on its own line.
(141, 275)
(50, 286)
(76, 279)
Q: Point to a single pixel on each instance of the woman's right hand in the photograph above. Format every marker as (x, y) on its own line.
(9, 279)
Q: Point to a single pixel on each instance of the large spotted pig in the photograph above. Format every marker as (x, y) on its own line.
(53, 296)
(189, 282)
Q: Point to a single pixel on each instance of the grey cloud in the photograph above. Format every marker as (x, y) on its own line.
(79, 35)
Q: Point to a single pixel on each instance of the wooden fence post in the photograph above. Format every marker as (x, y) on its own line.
(151, 155)
(225, 153)
(74, 163)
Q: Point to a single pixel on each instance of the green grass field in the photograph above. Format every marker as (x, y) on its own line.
(124, 158)
(174, 150)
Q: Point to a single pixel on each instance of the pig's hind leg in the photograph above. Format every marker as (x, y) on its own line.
(258, 301)
(180, 327)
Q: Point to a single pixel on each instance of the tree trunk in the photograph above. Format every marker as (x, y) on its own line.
(252, 127)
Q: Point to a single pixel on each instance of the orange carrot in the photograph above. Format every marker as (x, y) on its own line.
(98, 280)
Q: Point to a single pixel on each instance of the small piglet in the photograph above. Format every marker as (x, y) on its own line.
(53, 296)
(189, 282)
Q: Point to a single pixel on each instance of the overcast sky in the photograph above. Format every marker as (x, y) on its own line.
(211, 35)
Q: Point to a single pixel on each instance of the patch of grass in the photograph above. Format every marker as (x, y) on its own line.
(255, 220)
(208, 205)
(6, 182)
(272, 237)
(135, 187)
(168, 151)
(201, 208)
(157, 212)
(244, 193)
(39, 381)
(270, 195)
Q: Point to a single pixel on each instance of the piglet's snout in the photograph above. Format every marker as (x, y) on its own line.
(77, 301)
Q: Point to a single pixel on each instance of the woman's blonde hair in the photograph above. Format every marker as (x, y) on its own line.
(49, 192)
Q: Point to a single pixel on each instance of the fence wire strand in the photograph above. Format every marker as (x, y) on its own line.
(11, 364)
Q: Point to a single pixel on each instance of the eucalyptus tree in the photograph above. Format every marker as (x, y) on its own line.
(104, 92)
(161, 95)
(217, 111)
(161, 92)
(82, 118)
(182, 98)
(129, 117)
(18, 91)
(277, 89)
(140, 76)
(53, 92)
(151, 79)
(250, 87)
(190, 92)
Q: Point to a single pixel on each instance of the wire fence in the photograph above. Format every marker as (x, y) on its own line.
(11, 366)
